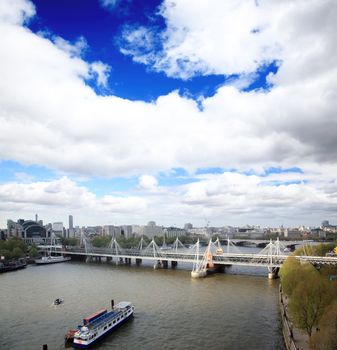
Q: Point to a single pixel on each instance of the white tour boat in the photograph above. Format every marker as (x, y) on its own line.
(99, 324)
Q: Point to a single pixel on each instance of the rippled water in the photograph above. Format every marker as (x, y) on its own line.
(173, 311)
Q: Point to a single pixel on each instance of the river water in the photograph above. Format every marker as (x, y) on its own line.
(172, 311)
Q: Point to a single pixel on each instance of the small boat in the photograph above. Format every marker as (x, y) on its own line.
(58, 301)
(99, 324)
(51, 259)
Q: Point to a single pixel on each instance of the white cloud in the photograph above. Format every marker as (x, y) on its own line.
(148, 183)
(75, 49)
(238, 36)
(57, 198)
(49, 116)
(101, 71)
(109, 4)
(16, 11)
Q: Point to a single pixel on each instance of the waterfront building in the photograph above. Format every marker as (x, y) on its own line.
(201, 231)
(30, 231)
(173, 232)
(292, 233)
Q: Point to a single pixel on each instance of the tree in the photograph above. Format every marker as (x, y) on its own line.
(17, 252)
(101, 241)
(290, 274)
(308, 300)
(326, 336)
(33, 252)
(6, 253)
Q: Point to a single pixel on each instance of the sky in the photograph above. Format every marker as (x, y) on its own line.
(125, 111)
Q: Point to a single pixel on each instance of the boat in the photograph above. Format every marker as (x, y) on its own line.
(97, 325)
(58, 301)
(52, 259)
(13, 265)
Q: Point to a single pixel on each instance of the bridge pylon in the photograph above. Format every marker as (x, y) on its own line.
(203, 264)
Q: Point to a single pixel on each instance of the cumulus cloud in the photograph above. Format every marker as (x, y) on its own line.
(59, 197)
(226, 198)
(238, 36)
(148, 183)
(16, 11)
(50, 116)
(75, 49)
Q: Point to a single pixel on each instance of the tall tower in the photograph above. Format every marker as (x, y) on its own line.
(71, 222)
(36, 217)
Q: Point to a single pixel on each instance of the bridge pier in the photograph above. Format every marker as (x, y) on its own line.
(138, 261)
(108, 258)
(174, 264)
(165, 264)
(219, 268)
(273, 272)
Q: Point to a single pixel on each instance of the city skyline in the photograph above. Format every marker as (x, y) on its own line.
(123, 112)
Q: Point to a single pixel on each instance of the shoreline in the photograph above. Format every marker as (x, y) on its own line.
(293, 338)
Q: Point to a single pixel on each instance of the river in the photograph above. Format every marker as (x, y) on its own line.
(172, 311)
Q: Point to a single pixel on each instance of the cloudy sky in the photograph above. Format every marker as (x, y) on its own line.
(125, 111)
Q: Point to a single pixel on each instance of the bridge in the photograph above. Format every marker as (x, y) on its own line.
(205, 260)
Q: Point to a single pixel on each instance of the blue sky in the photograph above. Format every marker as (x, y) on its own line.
(169, 111)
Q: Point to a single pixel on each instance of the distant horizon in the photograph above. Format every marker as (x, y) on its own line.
(132, 111)
(170, 225)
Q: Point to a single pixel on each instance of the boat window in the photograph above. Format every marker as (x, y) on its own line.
(109, 324)
(105, 327)
(114, 321)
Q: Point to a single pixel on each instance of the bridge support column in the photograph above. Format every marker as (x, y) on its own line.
(108, 258)
(273, 272)
(165, 264)
(219, 268)
(174, 264)
(138, 261)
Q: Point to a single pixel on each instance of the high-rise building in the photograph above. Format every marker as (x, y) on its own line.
(57, 229)
(71, 231)
(71, 222)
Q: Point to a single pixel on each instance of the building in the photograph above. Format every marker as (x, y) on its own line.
(150, 230)
(71, 231)
(30, 231)
(173, 232)
(292, 233)
(127, 231)
(188, 226)
(111, 230)
(57, 229)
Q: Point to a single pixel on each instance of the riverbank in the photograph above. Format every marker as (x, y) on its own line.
(294, 339)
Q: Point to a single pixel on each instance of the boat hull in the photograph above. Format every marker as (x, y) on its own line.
(103, 335)
(51, 261)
